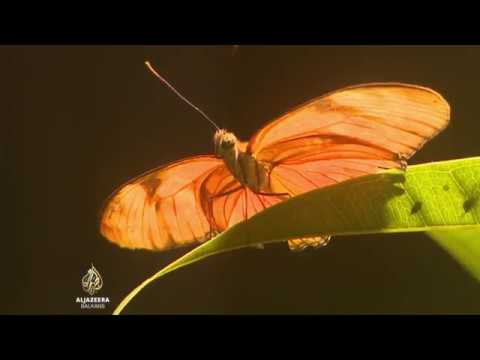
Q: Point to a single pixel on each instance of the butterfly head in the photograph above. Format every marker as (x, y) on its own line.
(224, 142)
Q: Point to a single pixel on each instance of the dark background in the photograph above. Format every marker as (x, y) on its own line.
(77, 121)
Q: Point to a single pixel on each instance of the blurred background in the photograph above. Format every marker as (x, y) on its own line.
(78, 121)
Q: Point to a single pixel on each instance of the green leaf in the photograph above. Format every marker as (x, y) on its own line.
(427, 197)
(463, 246)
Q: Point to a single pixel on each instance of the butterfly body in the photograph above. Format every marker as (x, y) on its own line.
(246, 169)
(351, 132)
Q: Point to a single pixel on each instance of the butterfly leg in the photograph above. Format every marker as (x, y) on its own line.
(226, 192)
(402, 160)
(245, 214)
(210, 233)
(245, 211)
(271, 194)
(211, 220)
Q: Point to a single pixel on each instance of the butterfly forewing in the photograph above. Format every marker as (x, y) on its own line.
(349, 133)
(396, 118)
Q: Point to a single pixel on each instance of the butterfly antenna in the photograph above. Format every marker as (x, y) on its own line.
(170, 86)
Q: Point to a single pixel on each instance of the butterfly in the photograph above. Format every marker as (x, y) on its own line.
(347, 133)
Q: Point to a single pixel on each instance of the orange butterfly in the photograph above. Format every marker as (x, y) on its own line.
(344, 134)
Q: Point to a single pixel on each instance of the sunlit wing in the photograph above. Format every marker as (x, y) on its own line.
(161, 209)
(390, 118)
(180, 204)
(348, 133)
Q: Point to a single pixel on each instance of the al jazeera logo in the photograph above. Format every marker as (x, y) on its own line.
(92, 283)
